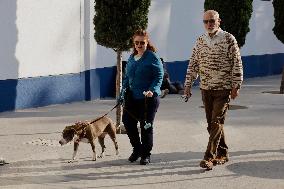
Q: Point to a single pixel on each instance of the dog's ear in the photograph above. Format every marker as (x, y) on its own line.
(69, 129)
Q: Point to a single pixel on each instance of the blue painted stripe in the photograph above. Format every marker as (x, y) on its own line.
(254, 66)
(100, 83)
(60, 89)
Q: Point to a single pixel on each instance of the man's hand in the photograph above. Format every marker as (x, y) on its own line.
(187, 93)
(234, 93)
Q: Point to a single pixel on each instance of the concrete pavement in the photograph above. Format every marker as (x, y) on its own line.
(254, 130)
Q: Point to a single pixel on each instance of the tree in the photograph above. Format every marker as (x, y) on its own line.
(235, 16)
(115, 22)
(279, 29)
(279, 19)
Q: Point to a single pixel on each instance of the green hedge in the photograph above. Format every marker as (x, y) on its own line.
(279, 19)
(116, 21)
(235, 16)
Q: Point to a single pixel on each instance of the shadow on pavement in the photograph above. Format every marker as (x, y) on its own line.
(263, 169)
(42, 171)
(163, 164)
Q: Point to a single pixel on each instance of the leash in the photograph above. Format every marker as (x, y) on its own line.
(147, 125)
(104, 114)
(131, 114)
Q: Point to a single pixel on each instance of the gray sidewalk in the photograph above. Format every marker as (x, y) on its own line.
(254, 131)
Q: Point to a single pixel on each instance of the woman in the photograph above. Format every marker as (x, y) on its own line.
(142, 81)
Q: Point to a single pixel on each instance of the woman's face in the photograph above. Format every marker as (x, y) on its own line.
(140, 43)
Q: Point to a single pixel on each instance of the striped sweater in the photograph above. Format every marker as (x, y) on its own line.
(217, 61)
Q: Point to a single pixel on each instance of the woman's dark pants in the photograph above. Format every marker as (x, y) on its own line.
(140, 110)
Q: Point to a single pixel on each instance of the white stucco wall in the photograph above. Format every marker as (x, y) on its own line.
(175, 25)
(51, 37)
(261, 39)
(43, 35)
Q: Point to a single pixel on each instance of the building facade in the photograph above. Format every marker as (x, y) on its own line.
(48, 54)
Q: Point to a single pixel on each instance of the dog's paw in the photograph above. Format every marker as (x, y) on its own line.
(72, 161)
(94, 157)
(102, 155)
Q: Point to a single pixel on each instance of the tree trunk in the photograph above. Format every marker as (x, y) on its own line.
(118, 89)
(282, 83)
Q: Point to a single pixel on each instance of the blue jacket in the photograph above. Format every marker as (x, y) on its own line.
(143, 75)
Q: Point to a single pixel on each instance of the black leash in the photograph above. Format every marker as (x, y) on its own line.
(131, 114)
(104, 114)
(147, 125)
(135, 117)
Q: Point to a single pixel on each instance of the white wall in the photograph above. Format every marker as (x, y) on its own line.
(51, 37)
(9, 64)
(44, 37)
(175, 25)
(261, 39)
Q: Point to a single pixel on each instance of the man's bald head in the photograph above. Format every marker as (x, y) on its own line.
(211, 21)
(213, 13)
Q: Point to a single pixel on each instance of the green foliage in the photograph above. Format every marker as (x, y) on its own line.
(235, 16)
(279, 19)
(116, 21)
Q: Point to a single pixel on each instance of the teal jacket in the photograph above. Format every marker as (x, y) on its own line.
(143, 75)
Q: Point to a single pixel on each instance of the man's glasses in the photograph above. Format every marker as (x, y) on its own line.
(211, 21)
(139, 42)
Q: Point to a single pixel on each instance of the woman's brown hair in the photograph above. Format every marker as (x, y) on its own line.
(144, 34)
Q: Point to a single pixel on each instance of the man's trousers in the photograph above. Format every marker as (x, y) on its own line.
(216, 103)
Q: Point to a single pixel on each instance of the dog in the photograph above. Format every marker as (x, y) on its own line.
(88, 132)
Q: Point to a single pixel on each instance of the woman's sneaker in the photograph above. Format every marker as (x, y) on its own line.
(145, 160)
(133, 157)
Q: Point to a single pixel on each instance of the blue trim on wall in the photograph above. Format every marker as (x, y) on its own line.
(263, 65)
(107, 81)
(100, 83)
(60, 89)
(254, 66)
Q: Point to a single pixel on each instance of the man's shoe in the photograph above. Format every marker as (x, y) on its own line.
(145, 161)
(219, 160)
(133, 157)
(207, 164)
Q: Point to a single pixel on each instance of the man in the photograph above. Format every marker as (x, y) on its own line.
(216, 59)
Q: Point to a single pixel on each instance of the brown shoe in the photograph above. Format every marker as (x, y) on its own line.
(220, 160)
(207, 164)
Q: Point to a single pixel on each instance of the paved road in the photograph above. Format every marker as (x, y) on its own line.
(254, 131)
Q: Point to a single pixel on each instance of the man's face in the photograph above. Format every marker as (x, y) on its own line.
(211, 22)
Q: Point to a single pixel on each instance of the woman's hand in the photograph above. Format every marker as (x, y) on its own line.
(148, 93)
